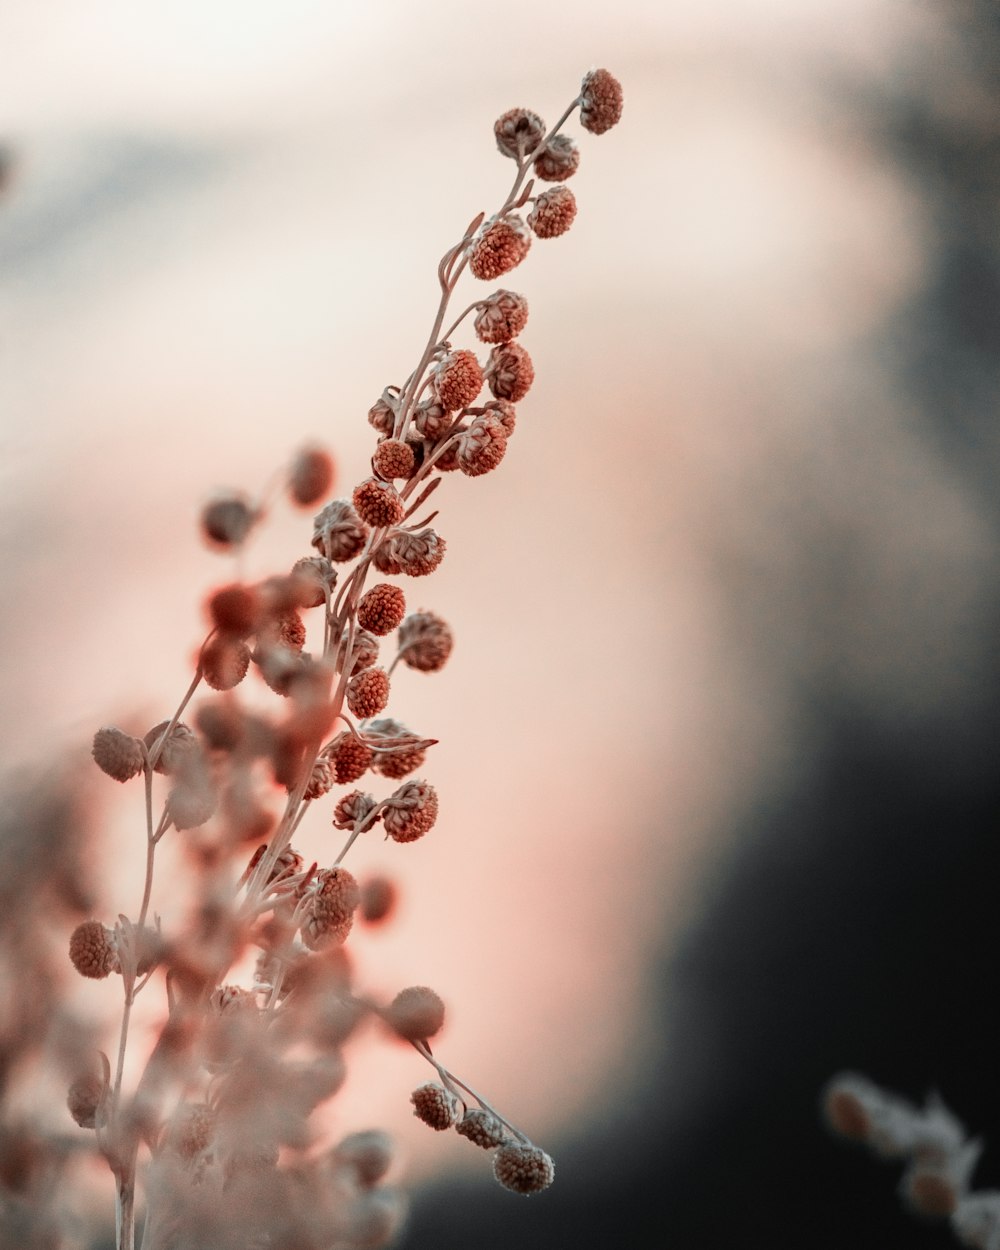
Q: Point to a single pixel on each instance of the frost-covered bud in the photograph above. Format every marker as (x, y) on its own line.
(553, 212)
(482, 446)
(177, 751)
(378, 503)
(523, 1169)
(226, 521)
(510, 373)
(481, 1128)
(431, 419)
(507, 413)
(338, 532)
(501, 247)
(416, 1013)
(457, 380)
(117, 753)
(411, 811)
(381, 609)
(320, 779)
(93, 950)
(378, 898)
(368, 692)
(425, 642)
(501, 317)
(84, 1099)
(311, 476)
(314, 577)
(976, 1220)
(349, 756)
(600, 101)
(368, 1154)
(558, 160)
(934, 1188)
(364, 652)
(330, 910)
(353, 808)
(415, 553)
(382, 416)
(393, 459)
(518, 132)
(224, 661)
(435, 1106)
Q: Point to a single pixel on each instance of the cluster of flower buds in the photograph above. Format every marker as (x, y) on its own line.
(939, 1156)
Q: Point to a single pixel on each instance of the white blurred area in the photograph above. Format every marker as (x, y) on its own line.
(220, 239)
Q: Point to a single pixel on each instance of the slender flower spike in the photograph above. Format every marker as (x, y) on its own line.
(118, 754)
(501, 247)
(600, 101)
(523, 1169)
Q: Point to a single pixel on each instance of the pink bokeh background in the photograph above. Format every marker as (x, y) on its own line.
(220, 240)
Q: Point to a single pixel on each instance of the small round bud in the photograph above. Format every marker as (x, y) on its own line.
(501, 247)
(84, 1099)
(313, 576)
(338, 532)
(382, 416)
(368, 1153)
(393, 459)
(92, 950)
(431, 419)
(481, 1128)
(482, 446)
(353, 808)
(378, 899)
(501, 317)
(411, 811)
(558, 160)
(288, 629)
(416, 1013)
(518, 132)
(330, 911)
(117, 753)
(224, 662)
(235, 609)
(320, 779)
(600, 101)
(191, 803)
(368, 692)
(415, 553)
(365, 650)
(458, 379)
(192, 1130)
(523, 1169)
(177, 752)
(435, 1106)
(510, 373)
(553, 212)
(381, 609)
(226, 521)
(507, 413)
(425, 642)
(378, 503)
(311, 476)
(402, 759)
(350, 757)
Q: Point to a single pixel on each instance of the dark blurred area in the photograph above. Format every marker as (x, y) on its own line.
(853, 922)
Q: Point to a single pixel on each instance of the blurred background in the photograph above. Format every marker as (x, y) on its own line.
(718, 741)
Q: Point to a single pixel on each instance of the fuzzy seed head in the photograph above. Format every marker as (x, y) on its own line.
(313, 576)
(558, 160)
(84, 1099)
(510, 372)
(393, 459)
(378, 503)
(435, 1106)
(330, 911)
(382, 416)
(226, 521)
(338, 532)
(523, 1169)
(501, 317)
(600, 101)
(352, 808)
(500, 248)
(368, 692)
(416, 1013)
(117, 753)
(381, 609)
(553, 212)
(458, 379)
(378, 899)
(518, 132)
(93, 950)
(415, 553)
(481, 1128)
(430, 419)
(411, 811)
(224, 661)
(482, 446)
(311, 476)
(425, 642)
(350, 757)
